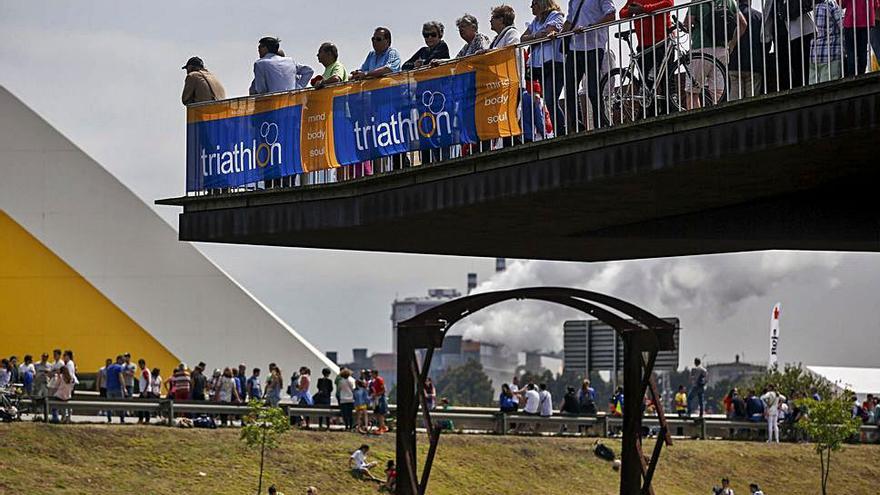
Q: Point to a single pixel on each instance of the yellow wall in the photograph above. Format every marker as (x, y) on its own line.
(45, 304)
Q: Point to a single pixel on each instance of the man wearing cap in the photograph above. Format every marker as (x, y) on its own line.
(272, 72)
(200, 84)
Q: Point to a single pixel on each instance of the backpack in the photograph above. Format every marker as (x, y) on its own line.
(789, 10)
(204, 422)
(724, 20)
(603, 452)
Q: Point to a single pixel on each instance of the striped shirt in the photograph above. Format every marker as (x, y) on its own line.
(180, 381)
(547, 51)
(826, 45)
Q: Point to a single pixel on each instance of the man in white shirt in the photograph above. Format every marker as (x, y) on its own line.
(67, 358)
(26, 373)
(57, 362)
(532, 405)
(144, 379)
(275, 72)
(545, 403)
(533, 400)
(755, 490)
(359, 466)
(514, 385)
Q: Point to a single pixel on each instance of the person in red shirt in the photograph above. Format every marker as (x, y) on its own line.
(377, 393)
(651, 33)
(390, 478)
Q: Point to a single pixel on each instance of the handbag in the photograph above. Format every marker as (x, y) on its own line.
(564, 47)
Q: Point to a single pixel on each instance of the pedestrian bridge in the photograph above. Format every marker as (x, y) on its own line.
(797, 169)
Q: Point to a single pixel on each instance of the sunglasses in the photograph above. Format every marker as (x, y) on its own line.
(377, 39)
(429, 35)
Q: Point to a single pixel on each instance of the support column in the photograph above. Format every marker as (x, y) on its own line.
(631, 468)
(407, 481)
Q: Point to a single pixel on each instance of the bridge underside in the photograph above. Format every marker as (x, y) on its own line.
(796, 170)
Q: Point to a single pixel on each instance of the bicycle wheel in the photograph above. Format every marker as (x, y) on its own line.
(705, 75)
(621, 96)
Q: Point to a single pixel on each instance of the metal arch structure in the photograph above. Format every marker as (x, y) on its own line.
(643, 335)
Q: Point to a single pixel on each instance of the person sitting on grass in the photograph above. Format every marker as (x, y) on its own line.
(390, 484)
(359, 466)
(274, 491)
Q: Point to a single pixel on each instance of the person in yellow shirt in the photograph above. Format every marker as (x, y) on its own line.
(681, 401)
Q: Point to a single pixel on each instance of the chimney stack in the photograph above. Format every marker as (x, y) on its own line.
(500, 265)
(472, 282)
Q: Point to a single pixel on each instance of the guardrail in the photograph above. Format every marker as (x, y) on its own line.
(646, 66)
(458, 419)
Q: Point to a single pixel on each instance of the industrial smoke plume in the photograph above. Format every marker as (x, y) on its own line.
(701, 290)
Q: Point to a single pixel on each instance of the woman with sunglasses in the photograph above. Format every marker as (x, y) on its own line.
(435, 47)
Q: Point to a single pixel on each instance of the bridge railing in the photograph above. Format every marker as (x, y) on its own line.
(462, 419)
(647, 65)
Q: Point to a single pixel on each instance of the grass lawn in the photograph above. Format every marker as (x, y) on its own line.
(89, 459)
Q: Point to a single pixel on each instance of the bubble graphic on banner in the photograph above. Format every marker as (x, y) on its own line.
(269, 133)
(435, 103)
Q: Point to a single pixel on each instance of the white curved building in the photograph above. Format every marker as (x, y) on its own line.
(86, 265)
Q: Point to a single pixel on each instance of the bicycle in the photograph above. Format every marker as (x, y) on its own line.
(628, 98)
(10, 405)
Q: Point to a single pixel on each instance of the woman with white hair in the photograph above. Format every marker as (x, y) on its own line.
(501, 21)
(469, 30)
(435, 47)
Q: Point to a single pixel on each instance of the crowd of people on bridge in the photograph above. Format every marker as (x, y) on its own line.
(787, 44)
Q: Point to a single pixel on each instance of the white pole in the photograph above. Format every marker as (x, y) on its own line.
(774, 334)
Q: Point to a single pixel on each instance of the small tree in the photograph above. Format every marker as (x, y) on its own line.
(261, 428)
(828, 423)
(467, 385)
(793, 381)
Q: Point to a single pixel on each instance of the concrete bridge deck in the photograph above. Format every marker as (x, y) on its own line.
(791, 170)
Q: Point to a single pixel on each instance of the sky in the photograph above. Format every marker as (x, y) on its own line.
(107, 75)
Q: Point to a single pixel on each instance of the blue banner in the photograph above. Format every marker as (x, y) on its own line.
(248, 140)
(431, 113)
(242, 150)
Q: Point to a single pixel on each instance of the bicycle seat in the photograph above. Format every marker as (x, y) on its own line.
(624, 34)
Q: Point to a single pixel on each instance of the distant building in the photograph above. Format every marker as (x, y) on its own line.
(595, 345)
(404, 309)
(538, 362)
(500, 265)
(735, 372)
(498, 363)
